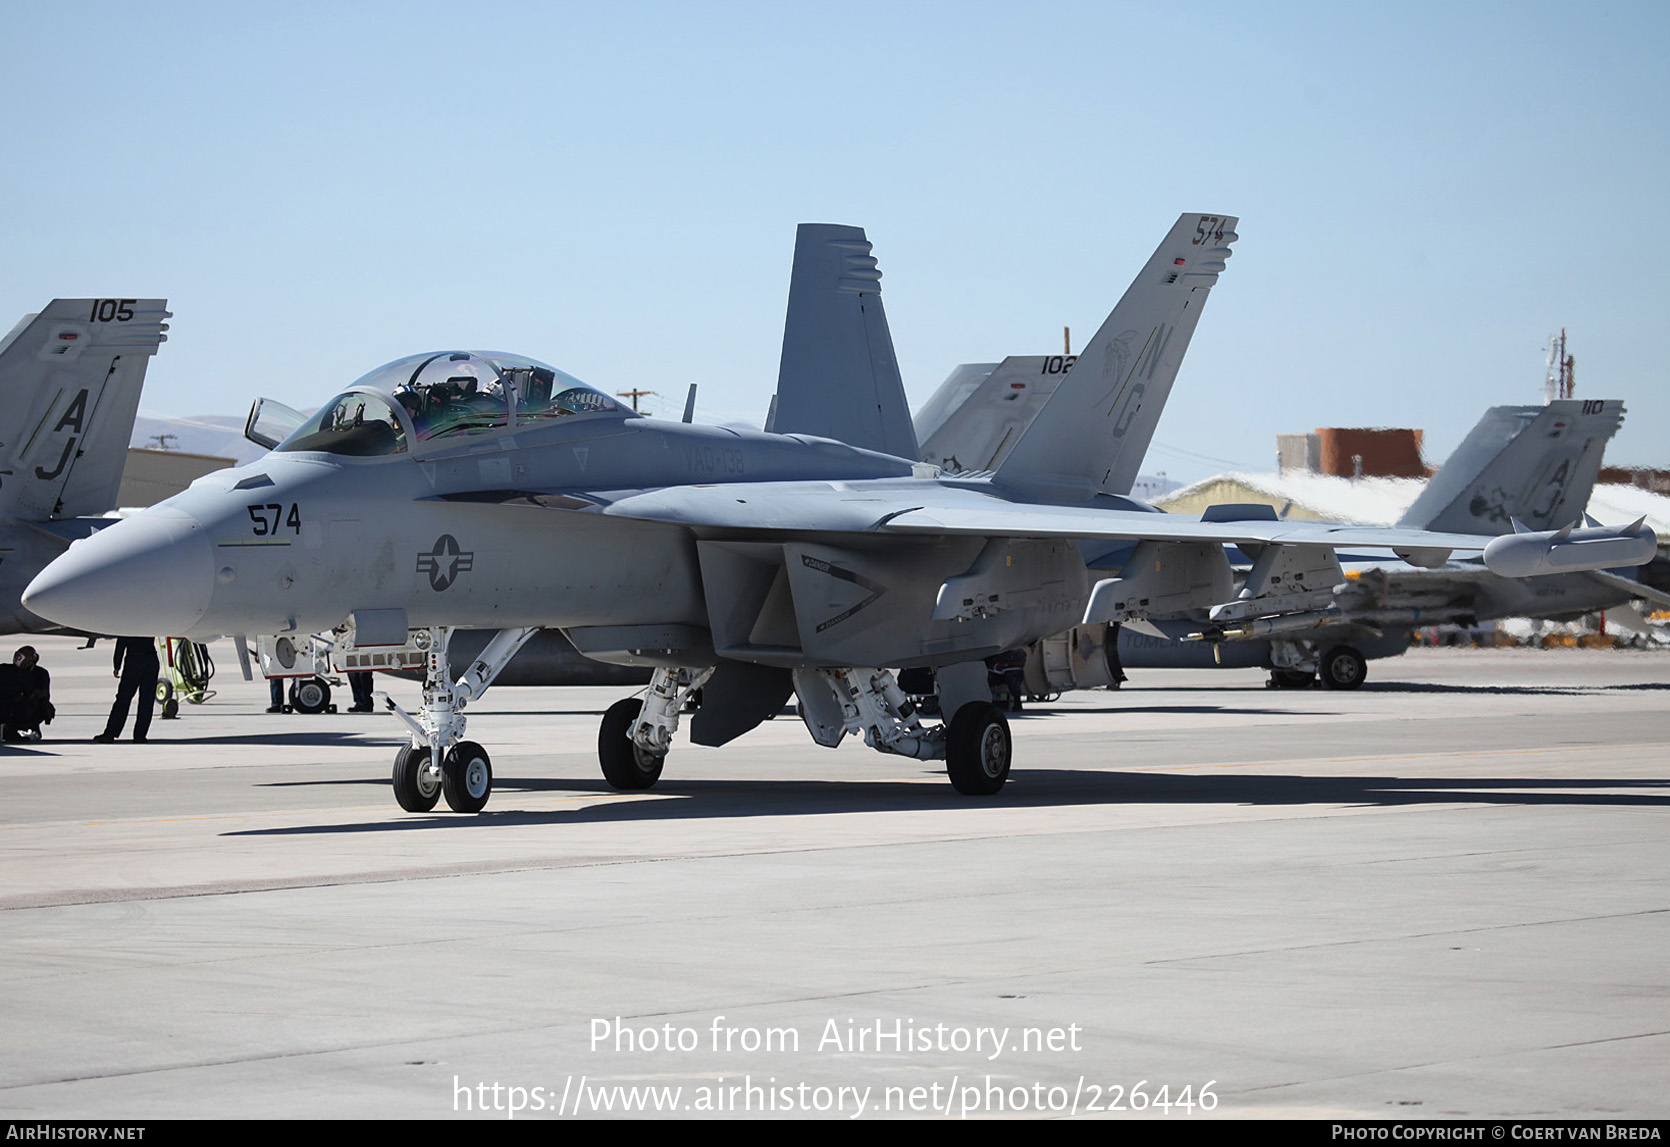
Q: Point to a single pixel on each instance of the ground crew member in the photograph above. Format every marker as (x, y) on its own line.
(136, 664)
(360, 683)
(25, 696)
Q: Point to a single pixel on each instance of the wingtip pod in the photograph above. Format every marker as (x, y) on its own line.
(1533, 554)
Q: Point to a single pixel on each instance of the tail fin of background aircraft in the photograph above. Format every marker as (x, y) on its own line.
(70, 379)
(1534, 463)
(981, 409)
(838, 377)
(1091, 435)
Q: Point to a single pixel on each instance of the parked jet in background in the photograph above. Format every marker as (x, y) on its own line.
(493, 491)
(70, 379)
(1533, 464)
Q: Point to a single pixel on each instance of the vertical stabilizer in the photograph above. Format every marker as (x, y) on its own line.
(70, 379)
(1091, 435)
(1534, 463)
(838, 377)
(979, 412)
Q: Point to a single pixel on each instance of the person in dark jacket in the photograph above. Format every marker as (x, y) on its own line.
(136, 664)
(25, 696)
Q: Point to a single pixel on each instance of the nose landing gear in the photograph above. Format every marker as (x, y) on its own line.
(464, 774)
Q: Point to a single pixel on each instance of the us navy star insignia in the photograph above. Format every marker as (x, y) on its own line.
(445, 562)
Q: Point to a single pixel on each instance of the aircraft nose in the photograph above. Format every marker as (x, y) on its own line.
(150, 574)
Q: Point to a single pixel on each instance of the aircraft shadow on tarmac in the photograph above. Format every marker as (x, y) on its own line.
(49, 746)
(1518, 690)
(1035, 788)
(333, 739)
(1435, 687)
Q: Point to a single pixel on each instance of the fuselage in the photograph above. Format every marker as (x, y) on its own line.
(470, 527)
(26, 548)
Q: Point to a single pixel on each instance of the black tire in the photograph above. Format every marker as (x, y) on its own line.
(412, 789)
(626, 764)
(1342, 667)
(170, 709)
(165, 700)
(310, 695)
(977, 749)
(467, 777)
(1291, 679)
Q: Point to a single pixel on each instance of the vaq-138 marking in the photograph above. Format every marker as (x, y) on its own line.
(487, 490)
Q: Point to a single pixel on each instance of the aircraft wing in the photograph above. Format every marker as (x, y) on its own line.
(1128, 525)
(924, 507)
(1631, 588)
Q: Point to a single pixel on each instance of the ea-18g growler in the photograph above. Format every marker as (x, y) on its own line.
(485, 490)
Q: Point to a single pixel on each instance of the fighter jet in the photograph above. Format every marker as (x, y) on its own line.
(70, 379)
(1531, 465)
(488, 490)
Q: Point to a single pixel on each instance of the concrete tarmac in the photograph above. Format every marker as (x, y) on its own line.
(1442, 896)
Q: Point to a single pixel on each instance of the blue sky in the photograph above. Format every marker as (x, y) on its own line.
(1426, 192)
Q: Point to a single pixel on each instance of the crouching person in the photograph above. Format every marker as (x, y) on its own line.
(25, 696)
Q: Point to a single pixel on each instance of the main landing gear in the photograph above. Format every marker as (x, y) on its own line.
(1342, 667)
(1297, 665)
(439, 762)
(627, 765)
(635, 734)
(977, 749)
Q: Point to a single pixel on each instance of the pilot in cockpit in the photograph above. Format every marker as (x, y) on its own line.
(411, 399)
(460, 401)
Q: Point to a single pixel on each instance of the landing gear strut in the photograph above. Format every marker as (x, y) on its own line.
(627, 765)
(975, 745)
(439, 762)
(636, 733)
(633, 739)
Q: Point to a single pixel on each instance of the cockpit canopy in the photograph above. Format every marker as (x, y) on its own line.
(443, 395)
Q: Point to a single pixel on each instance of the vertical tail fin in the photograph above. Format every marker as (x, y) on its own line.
(1534, 463)
(1091, 435)
(70, 379)
(838, 377)
(980, 411)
